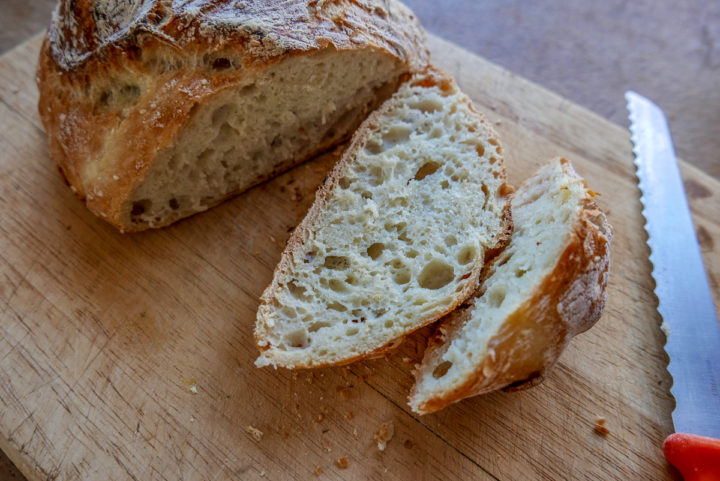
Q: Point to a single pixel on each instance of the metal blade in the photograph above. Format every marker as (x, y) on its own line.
(681, 286)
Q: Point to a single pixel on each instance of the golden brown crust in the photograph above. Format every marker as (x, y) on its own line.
(430, 77)
(568, 302)
(104, 139)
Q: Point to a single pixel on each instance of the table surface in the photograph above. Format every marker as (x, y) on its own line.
(588, 52)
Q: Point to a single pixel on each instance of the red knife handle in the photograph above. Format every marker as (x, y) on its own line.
(696, 457)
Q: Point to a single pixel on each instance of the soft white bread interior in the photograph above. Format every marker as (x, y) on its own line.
(156, 110)
(547, 286)
(396, 237)
(246, 134)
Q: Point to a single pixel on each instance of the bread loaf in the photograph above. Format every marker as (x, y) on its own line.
(157, 110)
(547, 286)
(396, 237)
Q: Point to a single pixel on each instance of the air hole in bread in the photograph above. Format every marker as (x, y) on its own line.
(441, 369)
(338, 263)
(506, 256)
(221, 63)
(428, 168)
(351, 331)
(450, 241)
(467, 255)
(376, 176)
(373, 147)
(492, 161)
(336, 306)
(174, 204)
(445, 184)
(220, 115)
(411, 254)
(435, 275)
(297, 291)
(139, 207)
(337, 285)
(497, 296)
(486, 193)
(520, 272)
(344, 183)
(297, 339)
(402, 276)
(480, 148)
(375, 250)
(316, 326)
(395, 135)
(427, 105)
(389, 324)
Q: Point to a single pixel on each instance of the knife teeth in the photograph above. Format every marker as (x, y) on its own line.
(684, 300)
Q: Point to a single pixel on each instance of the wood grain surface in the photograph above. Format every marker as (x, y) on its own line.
(130, 356)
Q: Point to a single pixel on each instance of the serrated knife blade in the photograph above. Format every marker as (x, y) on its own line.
(684, 298)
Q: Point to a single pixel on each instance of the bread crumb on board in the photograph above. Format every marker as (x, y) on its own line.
(341, 463)
(193, 389)
(600, 427)
(384, 434)
(254, 432)
(318, 470)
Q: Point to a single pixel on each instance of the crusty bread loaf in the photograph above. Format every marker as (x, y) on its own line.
(547, 286)
(396, 237)
(157, 110)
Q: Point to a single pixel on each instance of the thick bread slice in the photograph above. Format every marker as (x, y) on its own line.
(397, 235)
(547, 286)
(157, 110)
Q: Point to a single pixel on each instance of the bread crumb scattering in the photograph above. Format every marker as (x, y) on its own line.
(349, 415)
(318, 471)
(384, 434)
(193, 389)
(254, 432)
(341, 463)
(600, 427)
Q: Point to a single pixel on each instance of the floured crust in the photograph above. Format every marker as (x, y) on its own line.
(295, 244)
(568, 301)
(169, 50)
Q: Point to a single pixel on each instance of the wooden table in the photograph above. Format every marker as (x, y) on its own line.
(566, 48)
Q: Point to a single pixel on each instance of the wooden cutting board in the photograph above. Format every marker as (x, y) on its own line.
(131, 356)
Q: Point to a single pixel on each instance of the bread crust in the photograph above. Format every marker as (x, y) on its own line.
(93, 47)
(568, 301)
(432, 76)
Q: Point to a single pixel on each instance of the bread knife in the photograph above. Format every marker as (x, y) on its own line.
(684, 299)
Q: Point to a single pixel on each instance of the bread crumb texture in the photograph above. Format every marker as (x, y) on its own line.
(256, 434)
(384, 434)
(545, 287)
(396, 237)
(600, 427)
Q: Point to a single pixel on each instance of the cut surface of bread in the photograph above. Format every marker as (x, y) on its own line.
(396, 237)
(253, 131)
(157, 110)
(546, 286)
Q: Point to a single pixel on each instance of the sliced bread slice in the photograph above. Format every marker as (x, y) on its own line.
(547, 286)
(397, 235)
